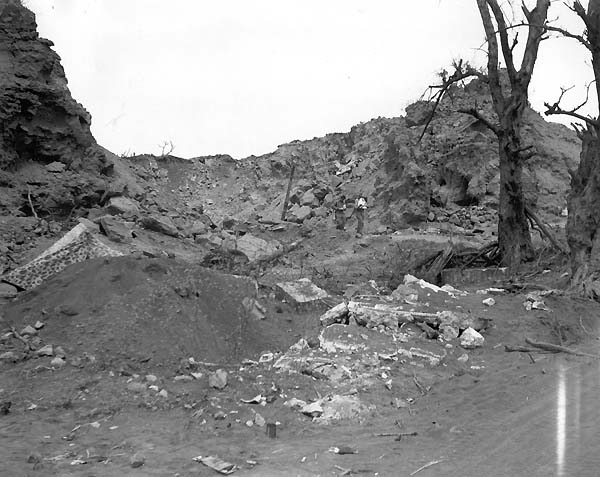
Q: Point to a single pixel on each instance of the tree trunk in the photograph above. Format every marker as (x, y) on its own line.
(583, 223)
(514, 238)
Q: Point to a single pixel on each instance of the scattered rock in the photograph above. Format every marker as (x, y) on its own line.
(8, 357)
(309, 199)
(34, 458)
(299, 214)
(259, 420)
(47, 350)
(471, 339)
(137, 460)
(489, 301)
(314, 409)
(7, 290)
(38, 325)
(295, 403)
(337, 314)
(136, 387)
(256, 248)
(300, 292)
(29, 331)
(218, 379)
(123, 206)
(343, 450)
(55, 167)
(163, 393)
(57, 362)
(374, 315)
(161, 224)
(115, 230)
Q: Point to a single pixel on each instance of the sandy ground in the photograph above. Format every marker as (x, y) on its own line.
(498, 413)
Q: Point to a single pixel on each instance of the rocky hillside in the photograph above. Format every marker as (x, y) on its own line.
(49, 160)
(52, 171)
(451, 176)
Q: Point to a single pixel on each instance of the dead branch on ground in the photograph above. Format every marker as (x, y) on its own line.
(558, 349)
(31, 203)
(429, 464)
(422, 389)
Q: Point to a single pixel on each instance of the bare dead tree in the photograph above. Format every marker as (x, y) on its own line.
(166, 148)
(583, 223)
(509, 102)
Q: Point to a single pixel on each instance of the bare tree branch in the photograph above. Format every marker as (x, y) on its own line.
(568, 34)
(462, 71)
(557, 109)
(477, 114)
(166, 147)
(535, 17)
(503, 33)
(492, 63)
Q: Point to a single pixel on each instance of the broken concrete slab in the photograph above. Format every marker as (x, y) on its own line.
(373, 315)
(300, 292)
(76, 246)
(256, 248)
(337, 314)
(337, 408)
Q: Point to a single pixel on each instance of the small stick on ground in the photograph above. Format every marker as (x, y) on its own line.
(395, 434)
(31, 203)
(420, 387)
(28, 346)
(558, 349)
(519, 349)
(429, 464)
(344, 471)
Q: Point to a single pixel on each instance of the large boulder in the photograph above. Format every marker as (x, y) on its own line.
(114, 229)
(123, 206)
(161, 224)
(256, 248)
(299, 214)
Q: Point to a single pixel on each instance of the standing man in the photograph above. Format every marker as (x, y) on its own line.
(340, 212)
(360, 206)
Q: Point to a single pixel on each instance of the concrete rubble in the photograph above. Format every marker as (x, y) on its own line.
(390, 313)
(300, 292)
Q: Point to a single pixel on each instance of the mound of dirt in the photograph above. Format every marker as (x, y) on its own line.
(157, 311)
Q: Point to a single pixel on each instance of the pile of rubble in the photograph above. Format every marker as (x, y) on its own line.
(476, 219)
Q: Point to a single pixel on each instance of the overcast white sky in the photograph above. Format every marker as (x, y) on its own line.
(240, 77)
